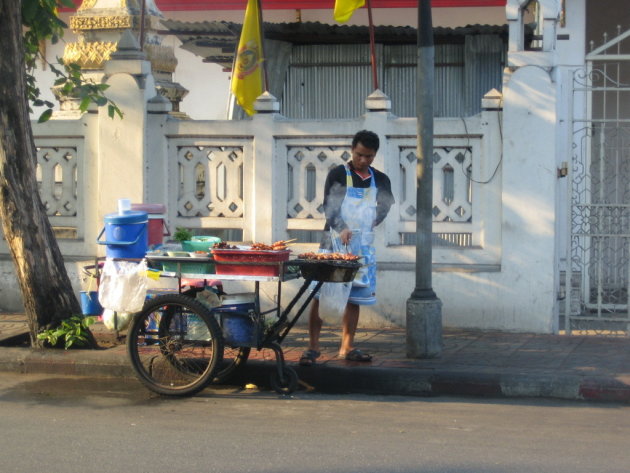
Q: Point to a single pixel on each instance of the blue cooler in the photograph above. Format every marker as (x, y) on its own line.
(126, 234)
(238, 320)
(240, 329)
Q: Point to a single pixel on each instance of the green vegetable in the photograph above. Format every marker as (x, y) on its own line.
(182, 234)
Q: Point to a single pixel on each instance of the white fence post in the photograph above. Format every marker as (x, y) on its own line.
(488, 173)
(267, 219)
(378, 107)
(156, 156)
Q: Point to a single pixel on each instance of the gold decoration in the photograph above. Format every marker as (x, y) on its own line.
(81, 23)
(90, 55)
(87, 4)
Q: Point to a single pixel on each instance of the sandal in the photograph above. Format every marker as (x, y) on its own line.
(358, 355)
(308, 357)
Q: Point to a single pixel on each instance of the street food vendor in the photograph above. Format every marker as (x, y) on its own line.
(357, 198)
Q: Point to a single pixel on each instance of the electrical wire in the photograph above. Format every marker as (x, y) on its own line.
(494, 173)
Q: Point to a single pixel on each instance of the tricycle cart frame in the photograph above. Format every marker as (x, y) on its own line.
(177, 346)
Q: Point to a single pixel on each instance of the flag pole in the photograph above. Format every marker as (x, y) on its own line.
(142, 13)
(262, 47)
(372, 45)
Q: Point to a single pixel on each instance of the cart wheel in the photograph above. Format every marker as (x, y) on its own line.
(167, 356)
(286, 385)
(234, 358)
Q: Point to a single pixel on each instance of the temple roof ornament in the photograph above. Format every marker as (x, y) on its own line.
(99, 25)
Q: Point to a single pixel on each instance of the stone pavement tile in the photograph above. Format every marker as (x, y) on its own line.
(13, 326)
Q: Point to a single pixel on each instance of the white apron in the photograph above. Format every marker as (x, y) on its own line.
(358, 210)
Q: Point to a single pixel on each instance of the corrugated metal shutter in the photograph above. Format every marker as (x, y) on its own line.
(485, 57)
(332, 81)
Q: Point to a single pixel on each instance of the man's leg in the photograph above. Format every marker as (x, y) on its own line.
(314, 326)
(349, 327)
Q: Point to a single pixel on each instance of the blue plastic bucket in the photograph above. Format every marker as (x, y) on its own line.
(239, 328)
(90, 304)
(126, 234)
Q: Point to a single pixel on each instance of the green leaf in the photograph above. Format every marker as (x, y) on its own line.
(45, 116)
(85, 103)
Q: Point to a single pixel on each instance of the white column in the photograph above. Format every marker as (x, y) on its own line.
(122, 142)
(267, 219)
(529, 196)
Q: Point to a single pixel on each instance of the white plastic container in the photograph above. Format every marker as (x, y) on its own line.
(240, 302)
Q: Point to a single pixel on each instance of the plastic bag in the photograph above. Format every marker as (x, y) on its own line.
(209, 298)
(358, 240)
(116, 320)
(123, 286)
(333, 297)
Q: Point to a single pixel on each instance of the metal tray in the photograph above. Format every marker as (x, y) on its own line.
(327, 270)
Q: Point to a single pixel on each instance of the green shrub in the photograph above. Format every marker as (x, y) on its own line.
(72, 331)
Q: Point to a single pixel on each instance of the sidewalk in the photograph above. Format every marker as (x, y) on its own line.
(473, 363)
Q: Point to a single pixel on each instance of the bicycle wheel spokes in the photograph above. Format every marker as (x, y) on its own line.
(234, 358)
(166, 356)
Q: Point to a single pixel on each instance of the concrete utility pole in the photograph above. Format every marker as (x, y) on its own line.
(424, 309)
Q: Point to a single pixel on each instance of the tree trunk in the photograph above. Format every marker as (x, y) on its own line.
(46, 290)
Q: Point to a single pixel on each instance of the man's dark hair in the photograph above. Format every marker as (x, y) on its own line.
(367, 138)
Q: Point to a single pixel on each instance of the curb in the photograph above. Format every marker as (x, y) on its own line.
(95, 363)
(344, 379)
(432, 382)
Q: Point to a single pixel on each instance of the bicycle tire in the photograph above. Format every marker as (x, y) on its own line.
(234, 358)
(165, 357)
(287, 384)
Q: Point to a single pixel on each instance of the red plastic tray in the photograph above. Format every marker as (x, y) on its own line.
(250, 258)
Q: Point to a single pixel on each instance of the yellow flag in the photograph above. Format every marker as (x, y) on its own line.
(345, 8)
(247, 80)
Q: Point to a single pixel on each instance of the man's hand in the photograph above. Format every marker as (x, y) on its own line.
(345, 235)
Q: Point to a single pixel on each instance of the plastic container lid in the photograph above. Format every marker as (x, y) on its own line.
(242, 298)
(129, 216)
(206, 238)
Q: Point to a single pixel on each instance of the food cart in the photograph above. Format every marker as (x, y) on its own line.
(177, 345)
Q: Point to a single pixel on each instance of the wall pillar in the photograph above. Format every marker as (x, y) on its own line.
(123, 143)
(268, 216)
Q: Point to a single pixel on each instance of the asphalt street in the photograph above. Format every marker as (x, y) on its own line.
(75, 424)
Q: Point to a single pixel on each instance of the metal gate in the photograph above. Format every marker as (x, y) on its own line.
(598, 267)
